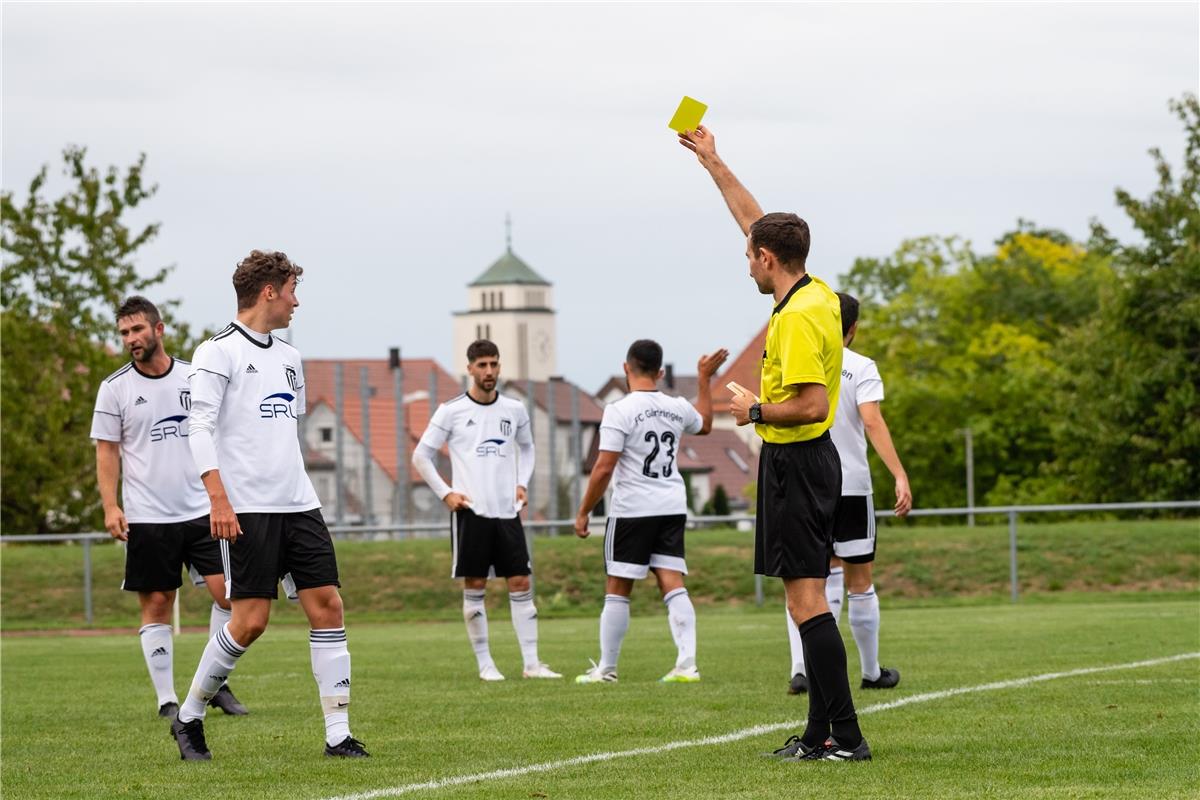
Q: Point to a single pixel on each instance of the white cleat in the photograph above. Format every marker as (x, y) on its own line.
(490, 673)
(540, 671)
(682, 675)
(594, 675)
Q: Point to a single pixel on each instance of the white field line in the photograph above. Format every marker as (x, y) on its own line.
(744, 733)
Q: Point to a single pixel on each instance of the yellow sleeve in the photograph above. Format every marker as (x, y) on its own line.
(801, 359)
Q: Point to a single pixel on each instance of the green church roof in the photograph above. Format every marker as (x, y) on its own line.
(509, 269)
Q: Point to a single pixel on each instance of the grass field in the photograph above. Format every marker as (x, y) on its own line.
(394, 581)
(79, 719)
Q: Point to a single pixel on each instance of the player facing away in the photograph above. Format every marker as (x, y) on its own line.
(640, 435)
(858, 418)
(140, 426)
(799, 471)
(491, 461)
(247, 395)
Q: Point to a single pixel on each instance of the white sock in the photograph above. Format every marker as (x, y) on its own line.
(864, 624)
(217, 619)
(834, 586)
(614, 622)
(220, 656)
(475, 614)
(331, 670)
(681, 615)
(524, 620)
(156, 647)
(796, 645)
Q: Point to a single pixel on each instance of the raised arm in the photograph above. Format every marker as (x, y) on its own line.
(881, 440)
(706, 368)
(745, 209)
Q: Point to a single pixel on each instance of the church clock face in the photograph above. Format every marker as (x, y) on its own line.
(541, 346)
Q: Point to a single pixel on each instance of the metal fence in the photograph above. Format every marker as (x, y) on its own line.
(562, 526)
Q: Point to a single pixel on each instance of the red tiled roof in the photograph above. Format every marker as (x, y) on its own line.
(712, 455)
(686, 386)
(319, 388)
(590, 411)
(745, 369)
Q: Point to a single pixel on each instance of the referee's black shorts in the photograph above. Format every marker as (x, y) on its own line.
(799, 485)
(272, 545)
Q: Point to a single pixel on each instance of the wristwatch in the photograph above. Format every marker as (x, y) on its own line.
(756, 413)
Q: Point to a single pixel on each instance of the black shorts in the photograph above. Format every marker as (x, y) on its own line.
(157, 552)
(272, 545)
(486, 547)
(635, 545)
(799, 485)
(854, 529)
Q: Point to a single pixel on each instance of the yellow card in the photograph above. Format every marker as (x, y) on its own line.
(688, 115)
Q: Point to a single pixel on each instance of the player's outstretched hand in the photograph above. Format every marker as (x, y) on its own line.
(700, 141)
(903, 497)
(581, 525)
(456, 501)
(115, 524)
(709, 364)
(222, 520)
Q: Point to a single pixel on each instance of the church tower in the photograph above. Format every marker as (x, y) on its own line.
(511, 305)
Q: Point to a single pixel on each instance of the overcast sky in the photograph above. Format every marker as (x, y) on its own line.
(380, 146)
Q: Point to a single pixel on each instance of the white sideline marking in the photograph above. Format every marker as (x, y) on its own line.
(744, 733)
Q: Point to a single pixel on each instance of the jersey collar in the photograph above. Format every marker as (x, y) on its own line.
(478, 403)
(153, 377)
(805, 281)
(264, 345)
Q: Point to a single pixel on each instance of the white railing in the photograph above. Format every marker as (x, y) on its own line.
(554, 527)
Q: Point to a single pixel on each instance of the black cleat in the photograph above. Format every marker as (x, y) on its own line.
(835, 752)
(168, 710)
(887, 679)
(811, 753)
(798, 684)
(347, 748)
(789, 749)
(190, 738)
(225, 701)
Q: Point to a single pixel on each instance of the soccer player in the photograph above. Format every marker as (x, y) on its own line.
(799, 472)
(491, 462)
(140, 426)
(247, 394)
(640, 435)
(858, 418)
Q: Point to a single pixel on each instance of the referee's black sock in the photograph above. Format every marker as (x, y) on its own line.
(825, 659)
(817, 730)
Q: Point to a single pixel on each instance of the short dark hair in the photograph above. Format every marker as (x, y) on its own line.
(482, 348)
(136, 304)
(785, 235)
(849, 311)
(645, 357)
(260, 268)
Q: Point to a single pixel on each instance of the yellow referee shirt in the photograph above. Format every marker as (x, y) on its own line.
(804, 345)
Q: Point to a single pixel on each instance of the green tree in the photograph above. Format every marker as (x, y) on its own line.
(1131, 375)
(67, 264)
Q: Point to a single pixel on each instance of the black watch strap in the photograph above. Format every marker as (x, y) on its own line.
(756, 412)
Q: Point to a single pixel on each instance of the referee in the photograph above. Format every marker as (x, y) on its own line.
(799, 472)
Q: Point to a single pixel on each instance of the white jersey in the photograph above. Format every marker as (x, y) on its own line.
(148, 416)
(646, 428)
(484, 463)
(860, 384)
(247, 397)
